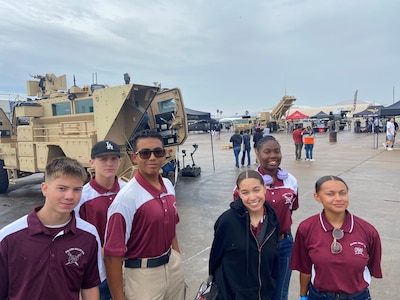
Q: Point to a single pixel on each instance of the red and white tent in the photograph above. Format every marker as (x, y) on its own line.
(297, 116)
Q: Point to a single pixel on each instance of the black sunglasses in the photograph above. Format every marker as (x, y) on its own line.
(146, 153)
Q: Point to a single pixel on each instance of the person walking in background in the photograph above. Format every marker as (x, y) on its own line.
(266, 131)
(236, 140)
(396, 129)
(243, 259)
(282, 195)
(308, 139)
(141, 230)
(258, 135)
(100, 191)
(335, 252)
(389, 134)
(246, 148)
(50, 254)
(298, 141)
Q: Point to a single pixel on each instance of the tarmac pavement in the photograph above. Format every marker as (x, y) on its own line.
(371, 172)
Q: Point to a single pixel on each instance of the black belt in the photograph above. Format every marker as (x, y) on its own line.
(342, 296)
(284, 236)
(338, 296)
(148, 262)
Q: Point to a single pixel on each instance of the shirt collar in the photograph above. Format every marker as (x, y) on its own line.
(150, 188)
(102, 190)
(35, 226)
(348, 224)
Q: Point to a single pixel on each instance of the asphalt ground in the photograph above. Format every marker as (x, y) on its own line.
(371, 172)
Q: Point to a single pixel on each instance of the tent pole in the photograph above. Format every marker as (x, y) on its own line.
(212, 148)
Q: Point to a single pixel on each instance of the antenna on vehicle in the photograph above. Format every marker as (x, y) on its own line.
(94, 78)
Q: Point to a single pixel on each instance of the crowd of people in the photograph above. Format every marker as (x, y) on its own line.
(108, 239)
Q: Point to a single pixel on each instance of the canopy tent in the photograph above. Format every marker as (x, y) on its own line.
(391, 110)
(321, 115)
(197, 115)
(370, 111)
(296, 116)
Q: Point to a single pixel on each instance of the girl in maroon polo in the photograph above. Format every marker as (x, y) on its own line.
(335, 252)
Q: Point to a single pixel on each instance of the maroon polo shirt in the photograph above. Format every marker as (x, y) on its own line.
(94, 203)
(141, 220)
(349, 271)
(35, 264)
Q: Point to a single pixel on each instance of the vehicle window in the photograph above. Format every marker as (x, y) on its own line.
(242, 121)
(166, 105)
(61, 109)
(84, 106)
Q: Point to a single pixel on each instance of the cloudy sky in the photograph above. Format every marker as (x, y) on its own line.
(228, 55)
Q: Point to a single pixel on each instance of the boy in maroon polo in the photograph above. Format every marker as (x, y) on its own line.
(50, 254)
(100, 191)
(141, 230)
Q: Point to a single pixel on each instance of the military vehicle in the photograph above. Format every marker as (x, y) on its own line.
(245, 123)
(61, 122)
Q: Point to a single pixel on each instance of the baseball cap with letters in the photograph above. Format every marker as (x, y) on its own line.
(104, 148)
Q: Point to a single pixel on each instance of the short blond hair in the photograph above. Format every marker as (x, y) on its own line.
(65, 166)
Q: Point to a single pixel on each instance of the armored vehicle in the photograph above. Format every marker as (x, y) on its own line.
(243, 124)
(61, 122)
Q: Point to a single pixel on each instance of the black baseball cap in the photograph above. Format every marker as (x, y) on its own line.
(104, 148)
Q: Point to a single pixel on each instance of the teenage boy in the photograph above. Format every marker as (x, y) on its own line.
(100, 191)
(50, 254)
(141, 230)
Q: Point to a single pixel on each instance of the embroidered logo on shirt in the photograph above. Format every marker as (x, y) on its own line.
(358, 248)
(288, 198)
(73, 255)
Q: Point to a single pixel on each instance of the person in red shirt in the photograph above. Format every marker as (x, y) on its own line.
(298, 141)
(335, 251)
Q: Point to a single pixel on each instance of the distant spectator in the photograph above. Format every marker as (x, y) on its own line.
(308, 139)
(236, 141)
(266, 131)
(298, 141)
(390, 132)
(246, 148)
(258, 135)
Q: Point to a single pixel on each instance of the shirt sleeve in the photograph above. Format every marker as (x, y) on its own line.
(375, 254)
(115, 236)
(95, 271)
(4, 270)
(217, 249)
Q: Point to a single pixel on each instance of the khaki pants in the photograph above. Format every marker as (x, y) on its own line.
(161, 283)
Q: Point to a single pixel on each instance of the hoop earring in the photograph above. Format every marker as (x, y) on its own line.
(282, 175)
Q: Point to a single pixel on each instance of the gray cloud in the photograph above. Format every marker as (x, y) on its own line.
(234, 57)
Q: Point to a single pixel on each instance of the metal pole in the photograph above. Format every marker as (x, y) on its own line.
(212, 149)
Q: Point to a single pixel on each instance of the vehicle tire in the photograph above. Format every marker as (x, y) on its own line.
(3, 178)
